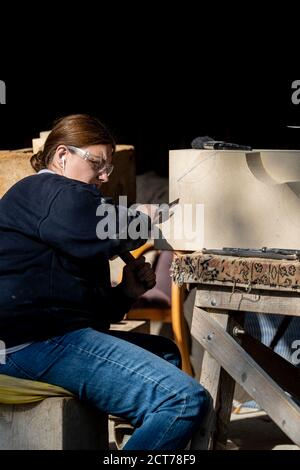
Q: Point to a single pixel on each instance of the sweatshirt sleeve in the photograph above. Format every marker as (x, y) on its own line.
(117, 304)
(80, 223)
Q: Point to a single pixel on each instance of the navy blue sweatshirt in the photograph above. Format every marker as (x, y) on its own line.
(54, 270)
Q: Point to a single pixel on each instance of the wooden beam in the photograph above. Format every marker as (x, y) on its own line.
(279, 303)
(213, 432)
(155, 314)
(180, 328)
(244, 370)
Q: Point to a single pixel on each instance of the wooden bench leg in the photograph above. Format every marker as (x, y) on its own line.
(230, 355)
(213, 432)
(179, 328)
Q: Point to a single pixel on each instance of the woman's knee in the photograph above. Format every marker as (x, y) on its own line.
(198, 400)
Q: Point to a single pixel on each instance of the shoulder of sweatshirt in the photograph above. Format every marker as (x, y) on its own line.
(50, 184)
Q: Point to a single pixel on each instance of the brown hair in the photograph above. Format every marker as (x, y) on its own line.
(79, 130)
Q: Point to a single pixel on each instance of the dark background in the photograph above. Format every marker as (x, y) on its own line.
(156, 112)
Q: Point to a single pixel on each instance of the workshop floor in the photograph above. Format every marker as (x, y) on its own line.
(247, 431)
(256, 431)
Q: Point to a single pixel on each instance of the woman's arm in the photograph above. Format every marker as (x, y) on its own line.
(75, 220)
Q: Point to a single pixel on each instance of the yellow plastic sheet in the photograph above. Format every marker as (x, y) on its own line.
(14, 391)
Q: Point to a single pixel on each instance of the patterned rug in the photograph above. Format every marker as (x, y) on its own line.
(228, 270)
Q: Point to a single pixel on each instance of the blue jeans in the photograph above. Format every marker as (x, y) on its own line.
(122, 374)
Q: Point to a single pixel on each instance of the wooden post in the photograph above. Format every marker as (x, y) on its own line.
(221, 388)
(179, 327)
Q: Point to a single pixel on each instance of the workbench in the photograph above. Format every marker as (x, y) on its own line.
(227, 287)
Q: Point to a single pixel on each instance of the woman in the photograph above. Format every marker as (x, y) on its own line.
(56, 302)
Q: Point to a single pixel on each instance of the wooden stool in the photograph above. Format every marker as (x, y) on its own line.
(57, 422)
(53, 424)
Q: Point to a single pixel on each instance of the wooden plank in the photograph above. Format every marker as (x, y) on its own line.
(188, 278)
(213, 432)
(53, 424)
(223, 410)
(209, 379)
(210, 368)
(135, 326)
(277, 303)
(239, 365)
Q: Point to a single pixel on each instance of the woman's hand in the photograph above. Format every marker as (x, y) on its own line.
(138, 278)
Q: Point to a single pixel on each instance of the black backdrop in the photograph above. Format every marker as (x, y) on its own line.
(156, 113)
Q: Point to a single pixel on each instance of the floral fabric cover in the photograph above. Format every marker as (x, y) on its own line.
(224, 270)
